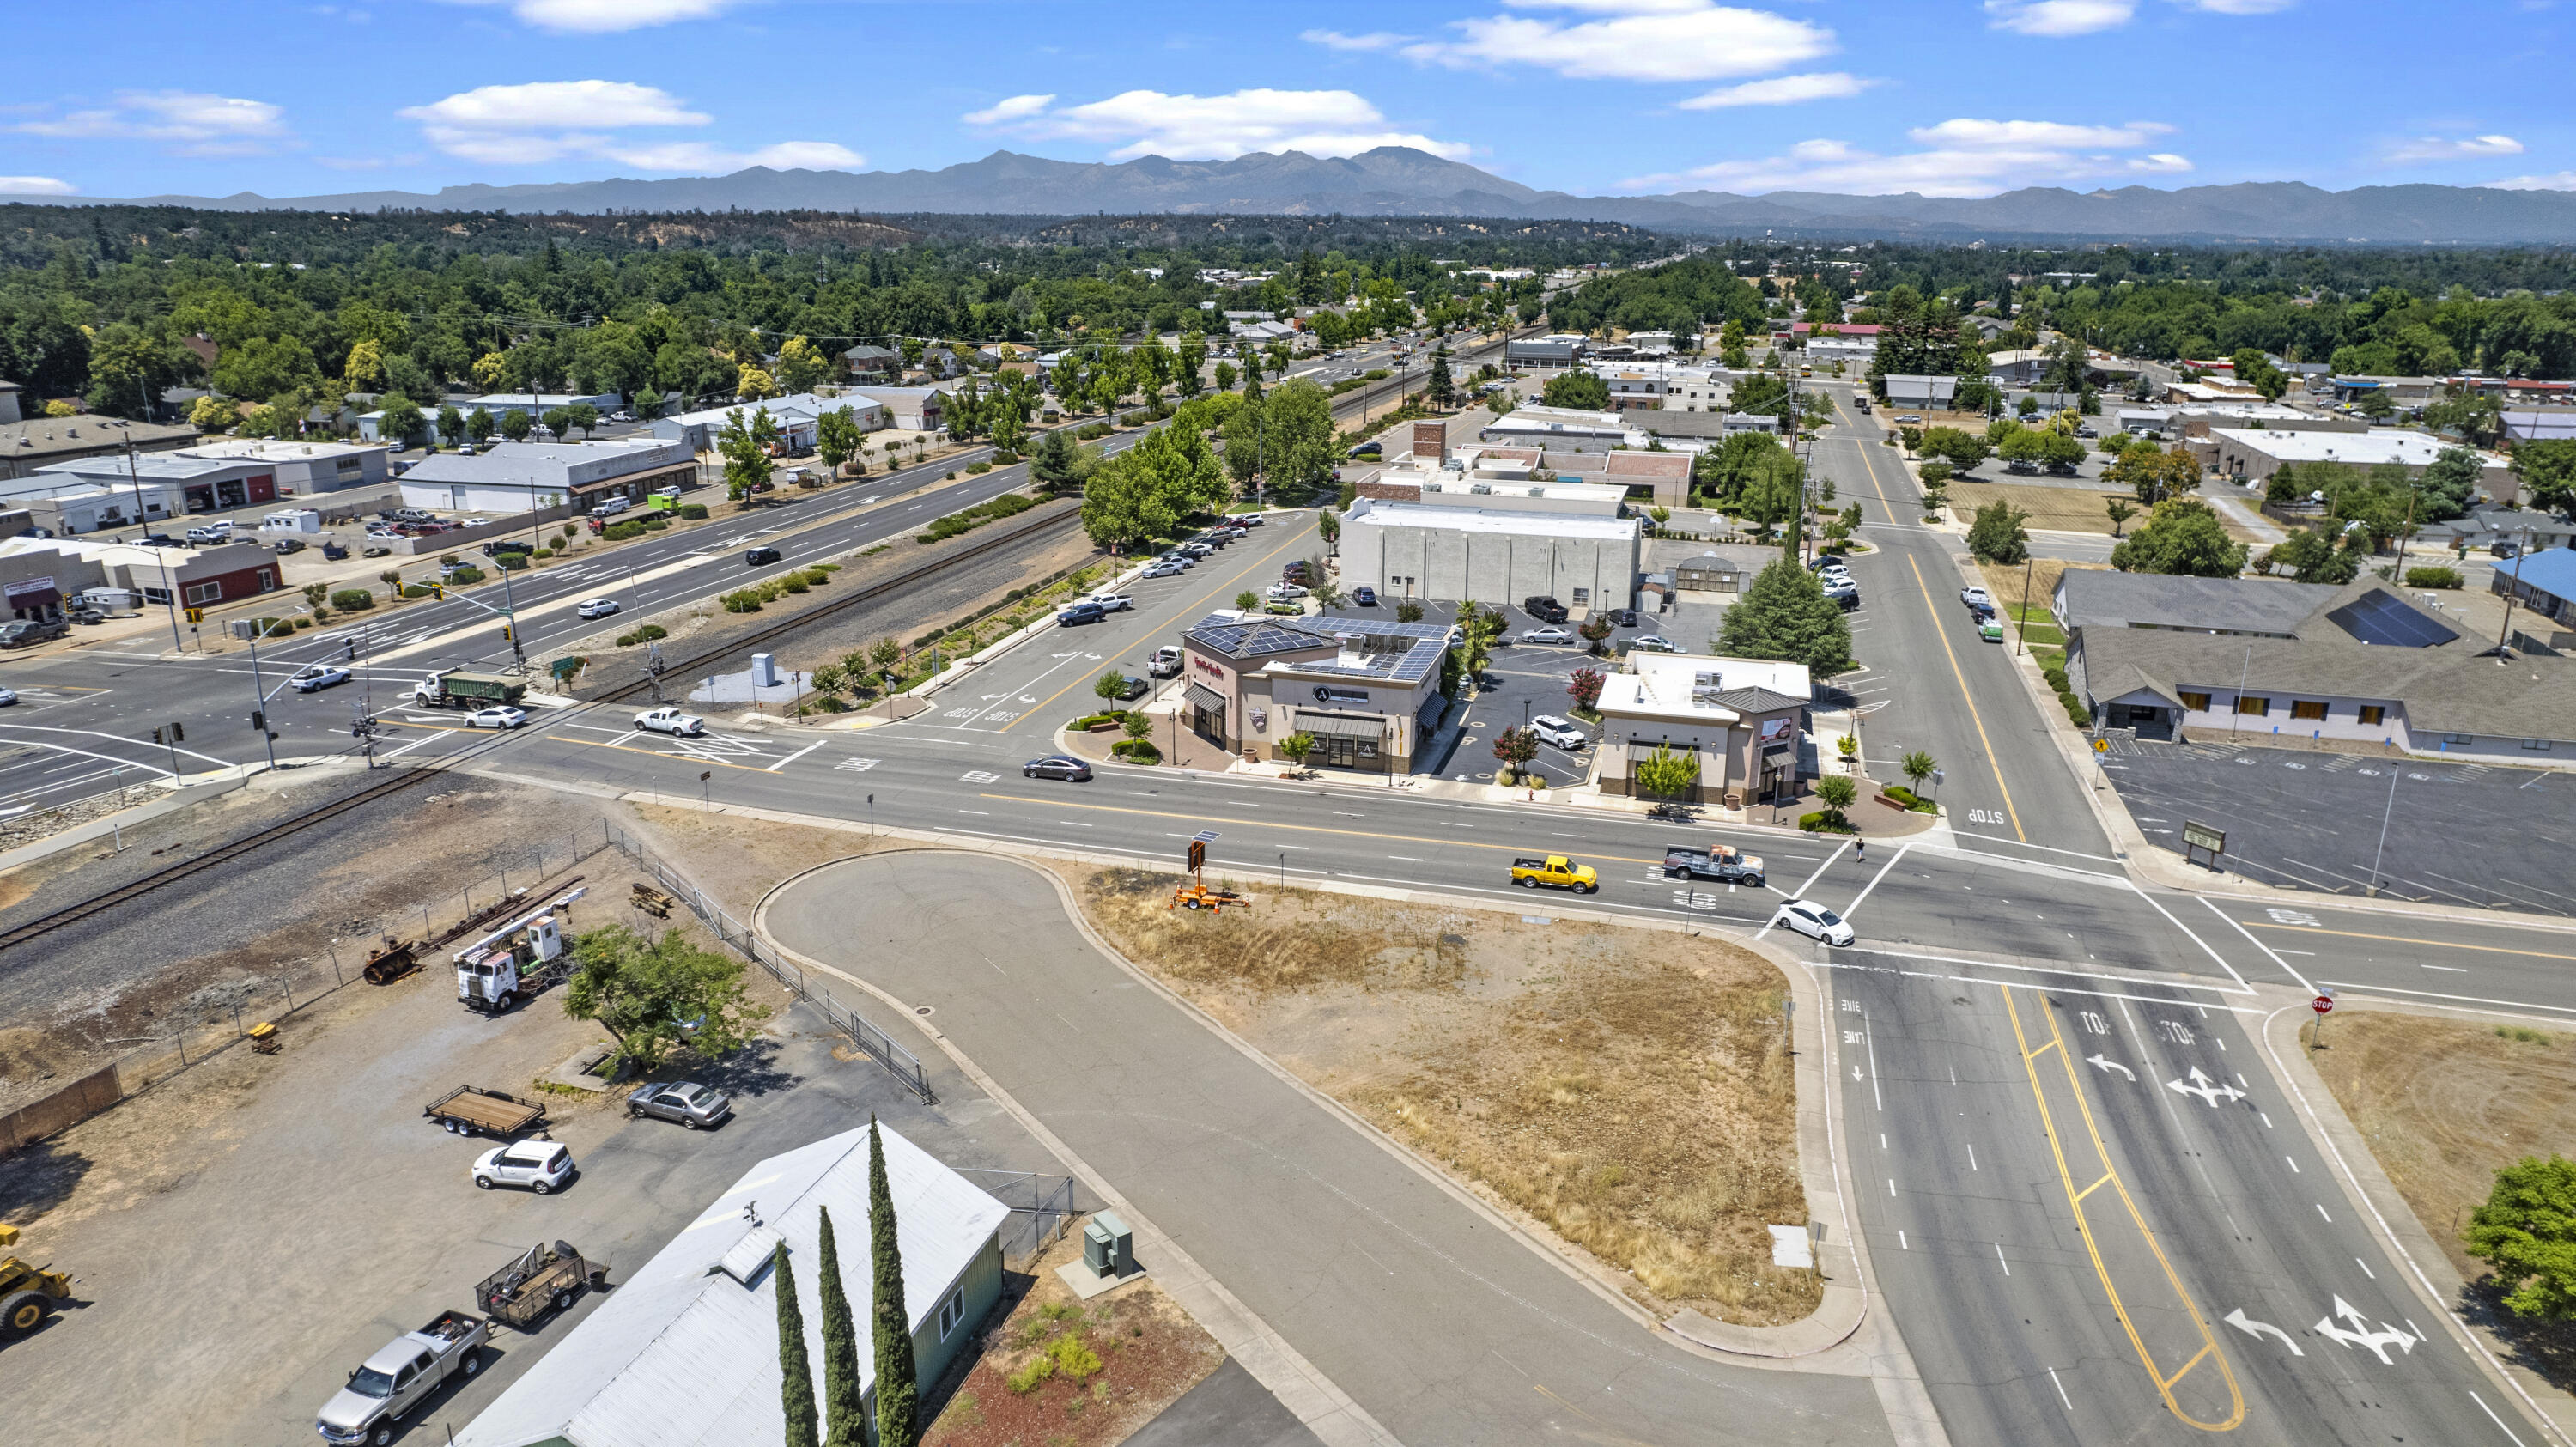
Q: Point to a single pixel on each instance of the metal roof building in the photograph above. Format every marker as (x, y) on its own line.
(685, 1352)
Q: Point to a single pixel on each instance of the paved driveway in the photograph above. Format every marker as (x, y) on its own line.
(1441, 1327)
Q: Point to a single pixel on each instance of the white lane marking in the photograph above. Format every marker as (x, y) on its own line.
(2321, 1210)
(2258, 944)
(1972, 1155)
(2366, 1271)
(791, 758)
(2294, 1167)
(2449, 969)
(2491, 1416)
(2248, 1325)
(2097, 1058)
(2061, 1389)
(2242, 987)
(1828, 863)
(1999, 1258)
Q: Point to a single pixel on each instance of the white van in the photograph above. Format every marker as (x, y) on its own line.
(611, 508)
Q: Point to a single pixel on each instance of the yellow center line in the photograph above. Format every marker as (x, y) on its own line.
(1210, 593)
(2092, 1246)
(1301, 828)
(1974, 717)
(2043, 1050)
(2309, 929)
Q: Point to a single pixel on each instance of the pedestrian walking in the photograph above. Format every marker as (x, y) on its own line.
(1860, 851)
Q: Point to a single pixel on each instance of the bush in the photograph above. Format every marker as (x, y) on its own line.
(693, 511)
(816, 576)
(1093, 432)
(2075, 709)
(415, 590)
(654, 522)
(511, 562)
(627, 640)
(651, 631)
(741, 600)
(1821, 823)
(1004, 457)
(1032, 1374)
(303, 622)
(1137, 751)
(978, 467)
(620, 532)
(795, 583)
(464, 576)
(2432, 577)
(353, 600)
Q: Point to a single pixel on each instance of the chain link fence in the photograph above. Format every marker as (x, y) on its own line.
(1042, 1210)
(862, 1032)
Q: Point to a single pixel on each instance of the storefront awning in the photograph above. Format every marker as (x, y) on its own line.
(1342, 725)
(1202, 696)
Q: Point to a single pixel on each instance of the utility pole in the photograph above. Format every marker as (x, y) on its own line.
(2509, 598)
(259, 696)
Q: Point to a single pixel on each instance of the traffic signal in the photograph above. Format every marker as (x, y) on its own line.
(259, 720)
(178, 733)
(505, 632)
(196, 615)
(438, 591)
(159, 736)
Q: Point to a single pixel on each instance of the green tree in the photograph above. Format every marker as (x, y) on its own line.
(479, 426)
(2181, 535)
(898, 1380)
(1959, 449)
(2154, 474)
(744, 443)
(1440, 389)
(2450, 482)
(1515, 748)
(1580, 390)
(265, 367)
(1190, 355)
(1997, 534)
(836, 438)
(1773, 495)
(1110, 686)
(659, 994)
(2120, 512)
(1784, 614)
(1059, 463)
(1247, 601)
(801, 365)
(516, 424)
(1594, 631)
(795, 1371)
(451, 425)
(402, 421)
(1917, 766)
(558, 420)
(129, 369)
(2547, 470)
(1836, 792)
(2526, 1231)
(1328, 526)
(1665, 774)
(1296, 747)
(583, 416)
(845, 1407)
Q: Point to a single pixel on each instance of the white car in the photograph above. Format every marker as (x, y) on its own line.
(1560, 732)
(1113, 602)
(1283, 592)
(8, 696)
(1165, 570)
(1547, 635)
(597, 608)
(1813, 920)
(319, 676)
(1652, 643)
(1976, 598)
(498, 716)
(541, 1166)
(671, 721)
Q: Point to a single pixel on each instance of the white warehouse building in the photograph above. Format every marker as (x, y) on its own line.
(1451, 553)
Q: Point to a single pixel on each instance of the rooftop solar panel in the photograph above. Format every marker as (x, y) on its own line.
(2388, 622)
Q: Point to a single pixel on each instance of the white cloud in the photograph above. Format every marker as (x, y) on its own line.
(1018, 107)
(1963, 157)
(1781, 90)
(1336, 40)
(526, 125)
(599, 17)
(196, 122)
(2453, 148)
(1644, 40)
(36, 186)
(2060, 17)
(1217, 127)
(2241, 7)
(2563, 181)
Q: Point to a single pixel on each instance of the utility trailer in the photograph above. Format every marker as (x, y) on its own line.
(539, 1281)
(470, 1110)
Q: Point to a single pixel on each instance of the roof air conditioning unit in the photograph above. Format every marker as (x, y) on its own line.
(1481, 487)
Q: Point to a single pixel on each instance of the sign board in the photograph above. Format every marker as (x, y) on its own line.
(2201, 837)
(1326, 693)
(2101, 746)
(2322, 1004)
(1778, 730)
(24, 586)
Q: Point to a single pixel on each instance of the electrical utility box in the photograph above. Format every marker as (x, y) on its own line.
(1108, 1247)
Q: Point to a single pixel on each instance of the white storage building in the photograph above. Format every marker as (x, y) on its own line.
(1449, 553)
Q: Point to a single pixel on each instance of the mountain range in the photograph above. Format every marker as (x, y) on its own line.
(1401, 181)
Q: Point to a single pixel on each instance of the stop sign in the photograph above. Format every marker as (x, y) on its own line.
(2321, 1004)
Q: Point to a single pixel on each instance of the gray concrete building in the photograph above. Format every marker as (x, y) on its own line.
(516, 477)
(1451, 553)
(38, 442)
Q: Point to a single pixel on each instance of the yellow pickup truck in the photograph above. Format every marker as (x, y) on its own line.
(1532, 871)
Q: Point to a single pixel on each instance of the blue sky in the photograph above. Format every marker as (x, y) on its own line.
(1948, 97)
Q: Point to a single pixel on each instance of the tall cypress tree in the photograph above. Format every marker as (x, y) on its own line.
(795, 1373)
(898, 1393)
(844, 1404)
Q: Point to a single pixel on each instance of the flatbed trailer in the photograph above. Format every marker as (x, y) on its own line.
(470, 1110)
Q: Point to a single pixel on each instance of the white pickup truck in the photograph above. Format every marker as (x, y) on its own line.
(400, 1376)
(671, 721)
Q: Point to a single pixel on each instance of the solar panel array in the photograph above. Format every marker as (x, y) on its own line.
(2385, 621)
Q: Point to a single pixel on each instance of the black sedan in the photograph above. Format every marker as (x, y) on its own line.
(1057, 766)
(694, 1106)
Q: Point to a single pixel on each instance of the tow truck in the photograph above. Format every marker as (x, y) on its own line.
(1531, 871)
(1723, 863)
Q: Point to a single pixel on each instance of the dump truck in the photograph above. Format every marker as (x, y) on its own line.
(27, 1293)
(520, 958)
(472, 1110)
(1723, 863)
(457, 688)
(400, 1376)
(1531, 871)
(540, 1280)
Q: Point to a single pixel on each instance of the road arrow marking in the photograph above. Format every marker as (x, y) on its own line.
(2239, 1320)
(2378, 1341)
(2111, 1065)
(1855, 1072)
(2207, 1089)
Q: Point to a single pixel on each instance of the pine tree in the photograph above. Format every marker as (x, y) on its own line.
(795, 1373)
(898, 1390)
(845, 1409)
(1440, 387)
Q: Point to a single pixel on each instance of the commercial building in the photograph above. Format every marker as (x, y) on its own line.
(42, 441)
(2016, 368)
(2545, 583)
(192, 577)
(72, 511)
(2538, 424)
(496, 405)
(1367, 692)
(203, 483)
(1449, 553)
(2251, 454)
(2092, 598)
(516, 477)
(684, 1353)
(1850, 351)
(304, 469)
(797, 416)
(1911, 390)
(1560, 349)
(1556, 426)
(2403, 391)
(2362, 664)
(2526, 529)
(1742, 720)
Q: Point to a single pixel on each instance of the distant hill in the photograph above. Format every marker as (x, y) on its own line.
(1401, 181)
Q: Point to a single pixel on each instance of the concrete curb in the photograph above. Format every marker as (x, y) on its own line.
(108, 824)
(2430, 1273)
(1322, 1406)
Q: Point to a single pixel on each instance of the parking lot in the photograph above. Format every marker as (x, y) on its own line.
(2457, 833)
(245, 1235)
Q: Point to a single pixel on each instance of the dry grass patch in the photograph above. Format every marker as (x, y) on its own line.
(1631, 1090)
(1064, 1373)
(2051, 509)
